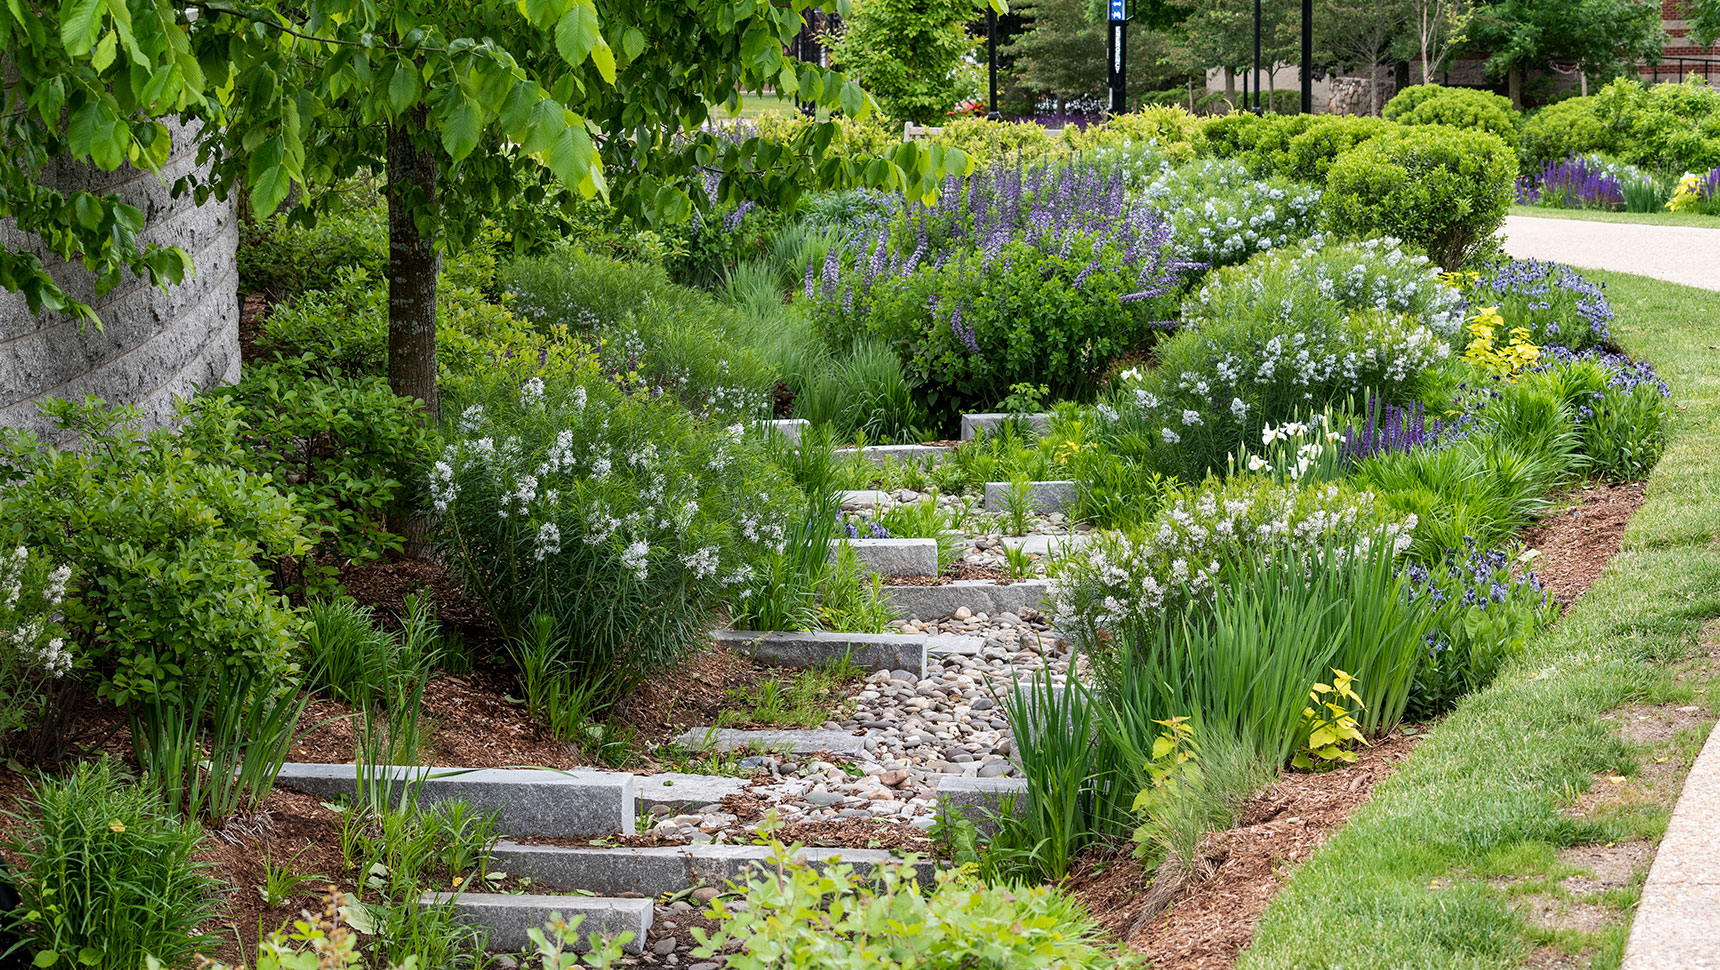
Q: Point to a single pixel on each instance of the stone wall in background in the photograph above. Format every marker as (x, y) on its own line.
(153, 343)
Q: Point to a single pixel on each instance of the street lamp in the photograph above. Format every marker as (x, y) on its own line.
(1307, 57)
(991, 61)
(1118, 56)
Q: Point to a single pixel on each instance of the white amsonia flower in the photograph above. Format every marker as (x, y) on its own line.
(472, 419)
(531, 393)
(548, 541)
(636, 557)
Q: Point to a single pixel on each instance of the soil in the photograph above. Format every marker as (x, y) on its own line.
(1578, 539)
(291, 831)
(1211, 918)
(252, 312)
(961, 570)
(856, 833)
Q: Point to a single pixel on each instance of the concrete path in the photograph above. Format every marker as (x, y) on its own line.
(1676, 254)
(1677, 924)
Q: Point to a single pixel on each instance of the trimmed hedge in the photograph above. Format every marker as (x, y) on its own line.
(1467, 108)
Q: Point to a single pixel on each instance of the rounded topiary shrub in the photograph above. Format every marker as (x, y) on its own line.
(1439, 188)
(1308, 155)
(1465, 108)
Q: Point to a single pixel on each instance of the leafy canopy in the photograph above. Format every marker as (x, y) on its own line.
(515, 101)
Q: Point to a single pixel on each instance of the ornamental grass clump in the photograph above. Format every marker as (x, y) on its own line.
(620, 515)
(1286, 334)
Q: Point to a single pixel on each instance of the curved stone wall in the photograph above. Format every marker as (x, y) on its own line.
(153, 343)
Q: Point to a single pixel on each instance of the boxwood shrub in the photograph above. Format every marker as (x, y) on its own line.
(1467, 108)
(1437, 187)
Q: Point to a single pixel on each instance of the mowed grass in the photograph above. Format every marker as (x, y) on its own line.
(1422, 876)
(1640, 218)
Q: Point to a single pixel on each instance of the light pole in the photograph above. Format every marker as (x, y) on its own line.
(991, 61)
(1307, 57)
(1118, 56)
(1256, 56)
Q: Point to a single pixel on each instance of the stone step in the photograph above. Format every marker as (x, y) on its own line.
(982, 800)
(892, 557)
(1042, 497)
(655, 870)
(868, 651)
(973, 424)
(682, 792)
(508, 916)
(888, 453)
(791, 741)
(978, 595)
(791, 429)
(1050, 546)
(528, 801)
(864, 498)
(953, 645)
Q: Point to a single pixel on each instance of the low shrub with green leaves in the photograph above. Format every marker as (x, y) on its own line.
(107, 876)
(1309, 154)
(1438, 188)
(344, 449)
(622, 516)
(281, 258)
(1223, 215)
(1464, 108)
(827, 917)
(1282, 337)
(1667, 128)
(166, 547)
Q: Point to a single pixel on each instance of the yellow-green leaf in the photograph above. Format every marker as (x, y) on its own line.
(460, 132)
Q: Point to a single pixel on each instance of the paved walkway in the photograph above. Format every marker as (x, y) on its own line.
(1677, 924)
(1676, 254)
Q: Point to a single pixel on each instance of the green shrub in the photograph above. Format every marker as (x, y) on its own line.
(991, 143)
(827, 917)
(1553, 302)
(166, 547)
(1466, 109)
(343, 448)
(1562, 130)
(282, 258)
(1255, 140)
(621, 516)
(1308, 155)
(107, 877)
(1284, 336)
(1438, 188)
(1669, 128)
(583, 291)
(1170, 129)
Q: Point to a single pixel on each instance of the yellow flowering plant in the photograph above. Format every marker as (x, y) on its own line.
(1504, 359)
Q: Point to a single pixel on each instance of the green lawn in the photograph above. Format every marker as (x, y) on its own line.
(753, 105)
(1423, 876)
(1598, 215)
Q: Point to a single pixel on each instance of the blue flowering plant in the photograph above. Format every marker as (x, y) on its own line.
(1619, 409)
(1040, 277)
(1485, 604)
(622, 516)
(1552, 301)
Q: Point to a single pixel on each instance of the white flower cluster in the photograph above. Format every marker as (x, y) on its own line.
(1119, 579)
(1223, 215)
(27, 613)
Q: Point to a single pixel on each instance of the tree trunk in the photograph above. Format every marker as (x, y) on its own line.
(413, 266)
(1514, 85)
(1230, 85)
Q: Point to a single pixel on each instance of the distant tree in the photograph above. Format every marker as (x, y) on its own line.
(1703, 16)
(1599, 35)
(1061, 52)
(1360, 35)
(909, 54)
(1220, 33)
(1438, 25)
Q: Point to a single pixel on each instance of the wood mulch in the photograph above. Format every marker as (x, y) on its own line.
(1580, 537)
(1211, 918)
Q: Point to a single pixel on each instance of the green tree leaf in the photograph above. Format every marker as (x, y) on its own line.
(460, 132)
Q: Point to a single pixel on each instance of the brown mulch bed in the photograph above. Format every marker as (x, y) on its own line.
(1209, 921)
(855, 833)
(1578, 539)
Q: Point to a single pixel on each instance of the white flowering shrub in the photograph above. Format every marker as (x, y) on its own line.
(623, 516)
(1200, 538)
(1223, 215)
(1282, 337)
(33, 648)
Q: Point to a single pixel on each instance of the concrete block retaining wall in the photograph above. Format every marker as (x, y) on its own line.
(153, 343)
